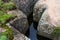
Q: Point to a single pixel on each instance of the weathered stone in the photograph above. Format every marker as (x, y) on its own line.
(38, 11)
(12, 12)
(7, 0)
(44, 27)
(50, 19)
(20, 22)
(25, 5)
(18, 35)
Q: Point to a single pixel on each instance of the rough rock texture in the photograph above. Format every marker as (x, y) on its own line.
(18, 35)
(38, 11)
(50, 18)
(44, 27)
(20, 22)
(25, 5)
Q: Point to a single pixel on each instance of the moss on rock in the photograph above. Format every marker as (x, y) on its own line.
(8, 33)
(4, 18)
(8, 6)
(57, 31)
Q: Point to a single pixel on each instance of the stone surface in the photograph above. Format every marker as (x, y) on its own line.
(20, 21)
(44, 27)
(50, 18)
(38, 11)
(25, 5)
(18, 35)
(12, 12)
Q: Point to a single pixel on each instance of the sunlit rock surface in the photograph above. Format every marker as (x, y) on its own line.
(38, 11)
(44, 27)
(50, 18)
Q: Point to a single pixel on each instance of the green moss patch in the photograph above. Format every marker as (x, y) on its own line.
(3, 37)
(5, 17)
(8, 32)
(57, 31)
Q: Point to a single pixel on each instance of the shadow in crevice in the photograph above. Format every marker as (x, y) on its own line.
(42, 38)
(34, 29)
(30, 20)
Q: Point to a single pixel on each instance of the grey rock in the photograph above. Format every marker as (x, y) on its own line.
(20, 22)
(18, 35)
(25, 5)
(50, 19)
(38, 11)
(44, 27)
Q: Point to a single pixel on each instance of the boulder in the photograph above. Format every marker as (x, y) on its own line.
(38, 11)
(49, 22)
(25, 5)
(44, 27)
(18, 35)
(20, 21)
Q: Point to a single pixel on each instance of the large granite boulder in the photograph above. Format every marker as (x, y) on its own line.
(49, 23)
(38, 11)
(19, 21)
(25, 5)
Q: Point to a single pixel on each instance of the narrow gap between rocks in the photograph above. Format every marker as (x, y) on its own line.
(30, 20)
